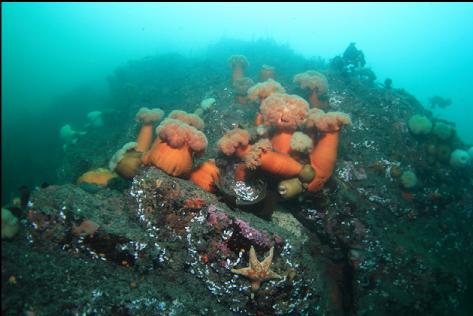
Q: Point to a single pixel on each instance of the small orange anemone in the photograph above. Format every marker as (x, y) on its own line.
(262, 90)
(126, 161)
(267, 72)
(281, 141)
(130, 164)
(240, 88)
(324, 154)
(188, 118)
(301, 143)
(233, 140)
(173, 148)
(326, 122)
(206, 175)
(259, 154)
(174, 161)
(285, 113)
(99, 176)
(238, 63)
(145, 136)
(322, 159)
(316, 82)
(280, 164)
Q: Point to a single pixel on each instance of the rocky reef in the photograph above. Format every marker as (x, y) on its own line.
(365, 243)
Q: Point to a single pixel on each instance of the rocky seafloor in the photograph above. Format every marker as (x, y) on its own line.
(159, 245)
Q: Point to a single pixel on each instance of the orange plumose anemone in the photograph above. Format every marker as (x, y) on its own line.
(267, 72)
(147, 117)
(234, 142)
(258, 155)
(240, 88)
(301, 143)
(324, 154)
(315, 82)
(238, 63)
(99, 176)
(261, 155)
(326, 121)
(126, 161)
(188, 118)
(206, 175)
(284, 113)
(173, 149)
(262, 90)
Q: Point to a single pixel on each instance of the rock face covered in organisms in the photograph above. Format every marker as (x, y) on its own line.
(216, 239)
(165, 233)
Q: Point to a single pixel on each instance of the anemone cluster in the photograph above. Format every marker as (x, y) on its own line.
(296, 141)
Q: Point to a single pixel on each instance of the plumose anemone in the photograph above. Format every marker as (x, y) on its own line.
(267, 72)
(174, 146)
(459, 159)
(419, 125)
(327, 122)
(99, 176)
(147, 117)
(301, 143)
(238, 63)
(315, 82)
(69, 136)
(126, 161)
(188, 118)
(259, 154)
(409, 179)
(10, 224)
(324, 154)
(262, 90)
(95, 119)
(206, 175)
(285, 113)
(233, 140)
(240, 88)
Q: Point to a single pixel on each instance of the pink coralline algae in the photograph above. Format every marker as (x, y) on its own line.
(241, 234)
(219, 247)
(216, 217)
(252, 235)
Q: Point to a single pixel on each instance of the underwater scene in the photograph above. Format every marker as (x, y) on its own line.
(237, 159)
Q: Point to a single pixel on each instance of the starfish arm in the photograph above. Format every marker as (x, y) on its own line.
(266, 263)
(272, 275)
(254, 263)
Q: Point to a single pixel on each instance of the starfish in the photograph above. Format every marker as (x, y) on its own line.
(257, 271)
